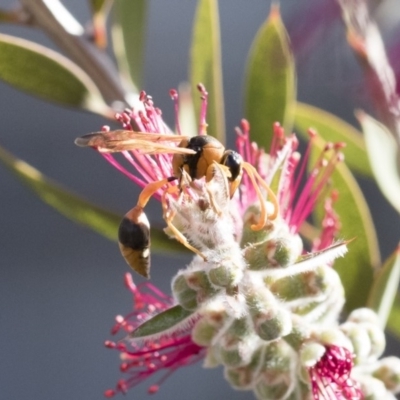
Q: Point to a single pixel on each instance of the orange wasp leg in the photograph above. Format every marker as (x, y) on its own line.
(150, 189)
(209, 176)
(169, 216)
(264, 217)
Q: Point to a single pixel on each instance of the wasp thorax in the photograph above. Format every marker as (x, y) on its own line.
(207, 151)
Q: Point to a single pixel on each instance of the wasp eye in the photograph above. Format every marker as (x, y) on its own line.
(233, 161)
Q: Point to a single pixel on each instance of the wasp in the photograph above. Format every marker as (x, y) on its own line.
(192, 156)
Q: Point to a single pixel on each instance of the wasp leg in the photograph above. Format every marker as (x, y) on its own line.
(264, 217)
(169, 216)
(150, 189)
(210, 174)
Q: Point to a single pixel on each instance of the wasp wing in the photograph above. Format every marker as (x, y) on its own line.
(144, 142)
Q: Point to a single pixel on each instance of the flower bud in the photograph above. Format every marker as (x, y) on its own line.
(373, 389)
(307, 284)
(236, 353)
(198, 280)
(359, 339)
(205, 329)
(239, 328)
(272, 253)
(270, 327)
(225, 275)
(249, 235)
(267, 391)
(300, 333)
(204, 332)
(192, 288)
(389, 373)
(311, 353)
(334, 337)
(377, 338)
(270, 319)
(366, 320)
(277, 375)
(185, 296)
(245, 376)
(211, 358)
(364, 314)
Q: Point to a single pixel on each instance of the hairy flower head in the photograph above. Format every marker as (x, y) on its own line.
(255, 298)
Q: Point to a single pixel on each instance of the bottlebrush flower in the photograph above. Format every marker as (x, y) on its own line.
(141, 362)
(330, 376)
(252, 299)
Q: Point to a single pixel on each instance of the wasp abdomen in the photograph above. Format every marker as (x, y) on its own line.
(134, 241)
(134, 236)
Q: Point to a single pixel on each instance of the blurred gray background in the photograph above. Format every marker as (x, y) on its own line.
(61, 285)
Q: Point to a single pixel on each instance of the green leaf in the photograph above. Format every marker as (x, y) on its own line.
(363, 257)
(187, 117)
(100, 220)
(162, 322)
(98, 5)
(393, 324)
(334, 129)
(383, 155)
(47, 74)
(384, 289)
(129, 37)
(270, 80)
(205, 65)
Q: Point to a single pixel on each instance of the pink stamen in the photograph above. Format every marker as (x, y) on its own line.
(120, 168)
(175, 97)
(302, 208)
(330, 224)
(303, 165)
(243, 147)
(316, 184)
(277, 139)
(245, 131)
(330, 377)
(141, 164)
(286, 183)
(167, 353)
(203, 110)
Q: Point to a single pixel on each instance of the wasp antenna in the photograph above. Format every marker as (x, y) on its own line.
(151, 188)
